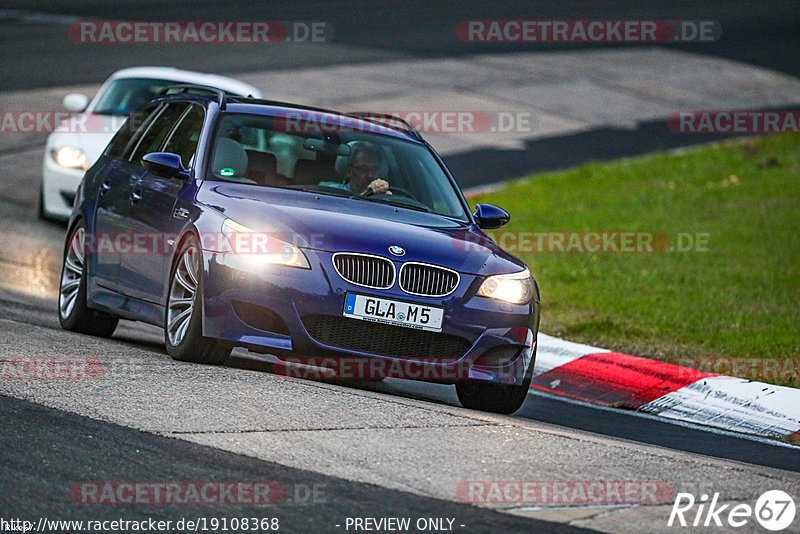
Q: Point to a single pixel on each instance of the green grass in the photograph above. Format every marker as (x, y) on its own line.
(740, 298)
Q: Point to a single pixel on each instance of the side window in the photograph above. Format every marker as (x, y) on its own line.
(183, 139)
(133, 128)
(158, 131)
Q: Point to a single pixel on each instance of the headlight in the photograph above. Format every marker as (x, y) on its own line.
(74, 158)
(516, 288)
(262, 248)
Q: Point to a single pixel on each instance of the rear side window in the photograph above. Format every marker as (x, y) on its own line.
(127, 136)
(158, 131)
(183, 139)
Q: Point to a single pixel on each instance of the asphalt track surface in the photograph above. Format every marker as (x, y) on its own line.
(44, 450)
(119, 453)
(761, 33)
(539, 406)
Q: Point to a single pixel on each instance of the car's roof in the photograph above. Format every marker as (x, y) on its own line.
(187, 76)
(330, 118)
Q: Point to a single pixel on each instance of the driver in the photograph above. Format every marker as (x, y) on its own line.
(363, 170)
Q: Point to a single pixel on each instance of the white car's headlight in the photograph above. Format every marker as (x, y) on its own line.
(262, 248)
(70, 157)
(516, 288)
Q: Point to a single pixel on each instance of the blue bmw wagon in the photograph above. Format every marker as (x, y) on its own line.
(300, 232)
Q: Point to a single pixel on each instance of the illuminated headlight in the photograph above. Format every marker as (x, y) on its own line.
(261, 248)
(516, 288)
(73, 158)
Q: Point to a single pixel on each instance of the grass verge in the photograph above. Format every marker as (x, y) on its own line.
(720, 291)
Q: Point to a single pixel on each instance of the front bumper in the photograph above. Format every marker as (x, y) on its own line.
(59, 185)
(299, 312)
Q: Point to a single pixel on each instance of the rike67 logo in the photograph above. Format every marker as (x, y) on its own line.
(774, 510)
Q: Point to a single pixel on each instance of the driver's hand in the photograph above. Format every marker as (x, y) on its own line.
(379, 187)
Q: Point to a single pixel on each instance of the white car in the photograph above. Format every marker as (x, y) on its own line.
(76, 144)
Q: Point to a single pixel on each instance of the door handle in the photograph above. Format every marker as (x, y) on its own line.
(136, 195)
(105, 187)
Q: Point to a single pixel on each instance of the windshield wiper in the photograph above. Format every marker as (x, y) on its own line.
(414, 207)
(332, 192)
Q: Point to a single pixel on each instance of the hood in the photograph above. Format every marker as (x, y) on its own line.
(335, 224)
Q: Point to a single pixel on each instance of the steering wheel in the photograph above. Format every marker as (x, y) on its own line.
(395, 191)
(402, 196)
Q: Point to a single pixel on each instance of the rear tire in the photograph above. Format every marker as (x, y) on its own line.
(73, 313)
(183, 320)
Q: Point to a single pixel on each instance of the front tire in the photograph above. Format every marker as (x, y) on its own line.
(73, 313)
(491, 397)
(183, 323)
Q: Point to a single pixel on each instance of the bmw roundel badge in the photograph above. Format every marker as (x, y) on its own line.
(397, 251)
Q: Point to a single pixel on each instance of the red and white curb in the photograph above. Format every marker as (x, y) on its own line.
(600, 376)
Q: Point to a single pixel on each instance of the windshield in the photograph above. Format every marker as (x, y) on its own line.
(341, 161)
(129, 94)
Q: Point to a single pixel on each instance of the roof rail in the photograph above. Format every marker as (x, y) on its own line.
(382, 118)
(187, 88)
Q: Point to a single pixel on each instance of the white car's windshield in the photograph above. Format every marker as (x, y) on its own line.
(340, 161)
(128, 94)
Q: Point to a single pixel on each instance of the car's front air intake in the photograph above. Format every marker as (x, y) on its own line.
(385, 340)
(427, 280)
(365, 270)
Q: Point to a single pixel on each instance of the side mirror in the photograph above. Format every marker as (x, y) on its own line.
(489, 217)
(75, 102)
(164, 164)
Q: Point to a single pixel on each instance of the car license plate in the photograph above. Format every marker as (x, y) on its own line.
(394, 312)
